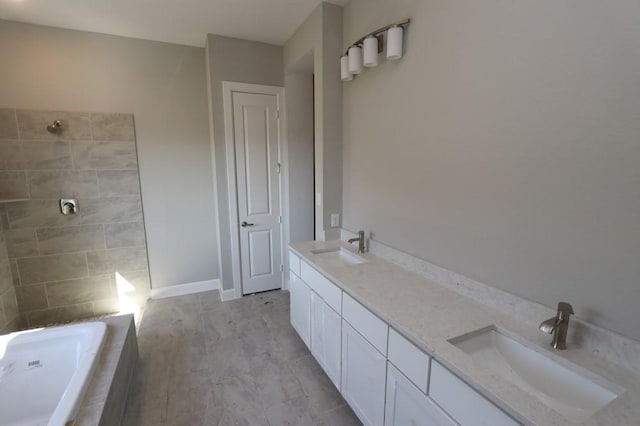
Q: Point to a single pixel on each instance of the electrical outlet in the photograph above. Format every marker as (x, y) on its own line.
(335, 220)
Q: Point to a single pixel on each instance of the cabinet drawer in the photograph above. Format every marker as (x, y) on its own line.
(407, 405)
(463, 403)
(409, 359)
(366, 323)
(294, 263)
(329, 292)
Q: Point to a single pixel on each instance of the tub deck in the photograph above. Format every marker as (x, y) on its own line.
(106, 397)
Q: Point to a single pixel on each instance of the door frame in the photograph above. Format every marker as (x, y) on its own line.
(228, 88)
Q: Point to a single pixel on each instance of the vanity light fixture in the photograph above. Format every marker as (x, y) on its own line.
(344, 69)
(355, 60)
(365, 51)
(370, 51)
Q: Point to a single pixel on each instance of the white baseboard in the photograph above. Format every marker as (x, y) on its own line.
(230, 294)
(184, 289)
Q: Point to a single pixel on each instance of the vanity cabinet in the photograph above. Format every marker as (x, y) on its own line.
(300, 306)
(407, 405)
(385, 378)
(363, 376)
(326, 339)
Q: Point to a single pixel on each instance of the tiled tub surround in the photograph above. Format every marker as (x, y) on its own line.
(429, 314)
(106, 396)
(76, 266)
(9, 315)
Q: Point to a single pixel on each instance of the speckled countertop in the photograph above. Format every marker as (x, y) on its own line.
(429, 315)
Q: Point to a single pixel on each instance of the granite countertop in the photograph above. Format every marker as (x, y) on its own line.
(429, 315)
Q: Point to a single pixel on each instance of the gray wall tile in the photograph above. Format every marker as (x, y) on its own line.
(118, 182)
(106, 306)
(4, 254)
(4, 220)
(33, 125)
(82, 290)
(112, 127)
(10, 305)
(3, 319)
(129, 234)
(14, 272)
(137, 285)
(117, 260)
(6, 279)
(95, 161)
(37, 155)
(21, 242)
(8, 125)
(63, 184)
(66, 313)
(13, 185)
(70, 239)
(10, 155)
(52, 268)
(104, 155)
(121, 209)
(31, 297)
(44, 213)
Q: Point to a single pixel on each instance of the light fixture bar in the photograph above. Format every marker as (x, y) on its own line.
(379, 32)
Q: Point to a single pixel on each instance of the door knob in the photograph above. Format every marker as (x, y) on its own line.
(244, 224)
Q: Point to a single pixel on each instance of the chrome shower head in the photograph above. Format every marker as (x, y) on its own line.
(55, 127)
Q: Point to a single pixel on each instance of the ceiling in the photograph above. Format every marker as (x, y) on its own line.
(182, 21)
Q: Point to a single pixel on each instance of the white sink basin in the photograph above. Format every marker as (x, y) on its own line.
(339, 256)
(571, 391)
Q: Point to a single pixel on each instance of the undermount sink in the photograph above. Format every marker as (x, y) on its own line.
(571, 391)
(339, 256)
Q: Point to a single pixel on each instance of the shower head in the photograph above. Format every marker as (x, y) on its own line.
(55, 127)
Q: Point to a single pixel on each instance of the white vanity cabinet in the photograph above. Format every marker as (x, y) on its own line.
(384, 377)
(363, 376)
(326, 338)
(300, 305)
(407, 405)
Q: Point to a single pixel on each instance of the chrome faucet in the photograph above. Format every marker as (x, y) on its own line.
(360, 240)
(558, 325)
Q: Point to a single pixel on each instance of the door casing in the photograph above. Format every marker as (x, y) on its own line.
(228, 88)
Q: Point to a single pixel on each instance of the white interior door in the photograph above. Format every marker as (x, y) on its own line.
(255, 122)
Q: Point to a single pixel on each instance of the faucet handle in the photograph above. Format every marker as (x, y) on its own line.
(564, 310)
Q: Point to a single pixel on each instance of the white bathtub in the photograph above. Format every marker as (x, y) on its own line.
(44, 373)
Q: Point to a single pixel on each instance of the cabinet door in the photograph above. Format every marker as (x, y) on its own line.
(463, 403)
(300, 299)
(407, 405)
(363, 377)
(326, 338)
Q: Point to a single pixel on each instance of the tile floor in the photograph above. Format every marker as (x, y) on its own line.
(204, 362)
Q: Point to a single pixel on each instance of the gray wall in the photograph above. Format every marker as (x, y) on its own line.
(299, 92)
(65, 267)
(230, 59)
(321, 34)
(164, 86)
(504, 146)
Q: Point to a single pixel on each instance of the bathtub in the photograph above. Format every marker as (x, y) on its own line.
(44, 373)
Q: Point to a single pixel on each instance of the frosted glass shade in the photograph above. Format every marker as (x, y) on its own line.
(394, 43)
(370, 52)
(355, 60)
(344, 69)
